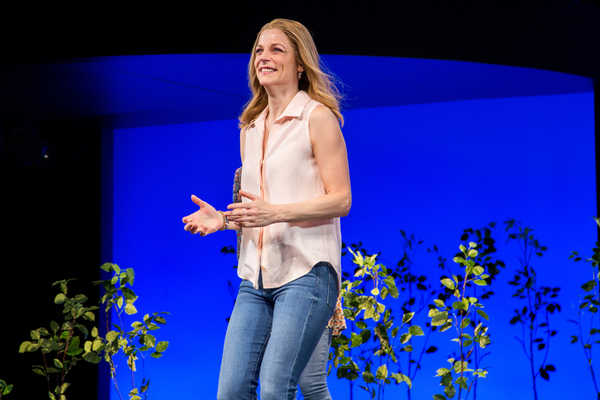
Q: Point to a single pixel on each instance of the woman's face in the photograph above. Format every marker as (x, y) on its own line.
(275, 63)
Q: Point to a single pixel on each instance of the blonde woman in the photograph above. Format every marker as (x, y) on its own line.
(295, 187)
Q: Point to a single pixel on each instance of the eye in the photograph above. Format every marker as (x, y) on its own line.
(259, 50)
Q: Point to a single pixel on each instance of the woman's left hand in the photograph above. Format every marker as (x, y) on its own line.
(253, 214)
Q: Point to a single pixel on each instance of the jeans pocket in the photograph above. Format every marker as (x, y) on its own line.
(329, 281)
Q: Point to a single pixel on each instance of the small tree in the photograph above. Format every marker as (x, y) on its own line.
(534, 317)
(459, 315)
(133, 344)
(374, 321)
(61, 347)
(588, 321)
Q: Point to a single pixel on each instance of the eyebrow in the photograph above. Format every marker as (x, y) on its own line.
(272, 44)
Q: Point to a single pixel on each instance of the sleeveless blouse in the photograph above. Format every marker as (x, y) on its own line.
(287, 174)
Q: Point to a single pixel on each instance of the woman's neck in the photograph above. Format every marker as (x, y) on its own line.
(278, 101)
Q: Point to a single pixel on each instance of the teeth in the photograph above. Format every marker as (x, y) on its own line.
(267, 70)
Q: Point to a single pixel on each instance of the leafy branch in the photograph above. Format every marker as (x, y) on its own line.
(534, 317)
(5, 388)
(132, 344)
(374, 321)
(459, 316)
(61, 346)
(589, 304)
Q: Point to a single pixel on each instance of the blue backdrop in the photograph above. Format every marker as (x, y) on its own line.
(429, 169)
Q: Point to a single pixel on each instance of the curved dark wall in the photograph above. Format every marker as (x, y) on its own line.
(557, 35)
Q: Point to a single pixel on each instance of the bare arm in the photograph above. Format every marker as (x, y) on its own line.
(330, 152)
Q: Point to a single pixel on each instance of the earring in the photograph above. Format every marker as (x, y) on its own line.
(299, 75)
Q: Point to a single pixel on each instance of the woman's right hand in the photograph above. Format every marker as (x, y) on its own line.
(204, 221)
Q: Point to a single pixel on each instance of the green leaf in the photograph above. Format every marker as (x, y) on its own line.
(473, 253)
(24, 347)
(382, 372)
(112, 335)
(162, 346)
(399, 377)
(450, 391)
(407, 317)
(60, 298)
(80, 298)
(405, 337)
(54, 326)
(149, 341)
(446, 326)
(478, 270)
(439, 303)
(449, 283)
(416, 330)
(64, 387)
(92, 357)
(130, 309)
(483, 314)
(439, 397)
(58, 364)
(74, 349)
(439, 319)
(462, 382)
(588, 286)
(480, 282)
(459, 260)
(89, 316)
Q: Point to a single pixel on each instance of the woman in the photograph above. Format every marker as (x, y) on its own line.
(296, 186)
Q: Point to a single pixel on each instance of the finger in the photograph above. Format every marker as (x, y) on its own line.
(197, 200)
(249, 195)
(233, 206)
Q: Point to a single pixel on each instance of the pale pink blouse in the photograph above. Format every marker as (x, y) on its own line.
(288, 174)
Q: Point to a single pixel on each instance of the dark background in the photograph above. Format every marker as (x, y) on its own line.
(51, 207)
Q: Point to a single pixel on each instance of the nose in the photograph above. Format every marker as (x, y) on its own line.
(264, 56)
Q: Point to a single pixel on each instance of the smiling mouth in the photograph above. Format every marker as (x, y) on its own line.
(267, 70)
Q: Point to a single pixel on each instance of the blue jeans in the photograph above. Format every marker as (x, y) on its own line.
(272, 334)
(313, 381)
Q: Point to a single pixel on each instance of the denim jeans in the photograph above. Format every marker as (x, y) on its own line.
(272, 334)
(313, 381)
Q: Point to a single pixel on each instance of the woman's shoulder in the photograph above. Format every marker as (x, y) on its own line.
(321, 113)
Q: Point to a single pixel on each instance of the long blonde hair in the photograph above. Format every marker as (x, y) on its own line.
(318, 83)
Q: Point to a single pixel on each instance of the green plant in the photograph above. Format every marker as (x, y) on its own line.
(61, 347)
(588, 330)
(4, 388)
(459, 315)
(133, 344)
(374, 321)
(534, 317)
